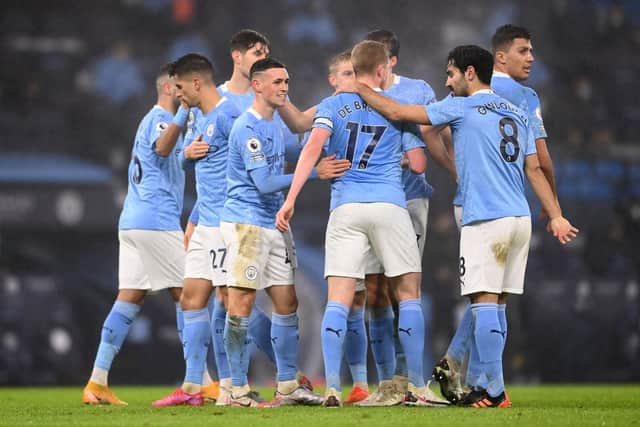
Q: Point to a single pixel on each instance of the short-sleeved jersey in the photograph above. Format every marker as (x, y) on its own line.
(416, 92)
(491, 139)
(156, 184)
(254, 143)
(522, 97)
(372, 144)
(242, 102)
(211, 170)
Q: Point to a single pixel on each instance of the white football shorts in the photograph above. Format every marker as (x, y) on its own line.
(207, 256)
(150, 260)
(384, 229)
(258, 257)
(493, 255)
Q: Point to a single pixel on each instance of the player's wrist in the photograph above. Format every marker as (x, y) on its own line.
(181, 117)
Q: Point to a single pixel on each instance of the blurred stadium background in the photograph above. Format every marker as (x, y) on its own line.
(76, 78)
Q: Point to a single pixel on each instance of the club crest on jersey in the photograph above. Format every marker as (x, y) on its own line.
(191, 119)
(253, 145)
(210, 130)
(161, 127)
(251, 273)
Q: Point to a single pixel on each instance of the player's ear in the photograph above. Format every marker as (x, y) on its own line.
(235, 55)
(332, 80)
(499, 57)
(393, 61)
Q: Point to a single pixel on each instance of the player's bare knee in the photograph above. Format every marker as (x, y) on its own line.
(359, 300)
(483, 297)
(240, 301)
(176, 294)
(284, 298)
(133, 296)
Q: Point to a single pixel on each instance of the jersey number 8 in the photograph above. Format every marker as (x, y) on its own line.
(509, 147)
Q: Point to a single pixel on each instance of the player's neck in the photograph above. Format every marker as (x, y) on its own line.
(209, 100)
(499, 68)
(263, 108)
(238, 84)
(391, 77)
(370, 81)
(473, 88)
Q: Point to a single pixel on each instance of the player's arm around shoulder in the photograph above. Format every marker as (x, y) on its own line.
(390, 108)
(297, 121)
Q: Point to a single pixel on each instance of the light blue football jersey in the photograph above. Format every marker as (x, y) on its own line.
(243, 102)
(372, 144)
(522, 97)
(254, 143)
(491, 139)
(211, 170)
(416, 92)
(156, 184)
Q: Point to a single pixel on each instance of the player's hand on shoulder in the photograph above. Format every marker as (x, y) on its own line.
(284, 216)
(329, 167)
(197, 149)
(562, 229)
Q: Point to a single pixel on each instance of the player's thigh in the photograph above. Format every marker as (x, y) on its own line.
(516, 265)
(247, 253)
(198, 262)
(393, 240)
(217, 255)
(281, 262)
(372, 267)
(346, 242)
(484, 247)
(163, 256)
(419, 213)
(131, 271)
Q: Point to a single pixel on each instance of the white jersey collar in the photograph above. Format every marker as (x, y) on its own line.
(482, 91)
(255, 113)
(500, 74)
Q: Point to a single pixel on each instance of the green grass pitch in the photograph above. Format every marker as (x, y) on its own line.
(549, 405)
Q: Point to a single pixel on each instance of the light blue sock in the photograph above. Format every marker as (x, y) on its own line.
(334, 328)
(218, 319)
(197, 334)
(383, 342)
(179, 321)
(401, 360)
(260, 332)
(489, 339)
(211, 366)
(411, 334)
(474, 378)
(502, 318)
(114, 331)
(460, 343)
(356, 346)
(284, 336)
(235, 342)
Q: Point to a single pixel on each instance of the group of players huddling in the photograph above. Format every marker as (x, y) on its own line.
(373, 133)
